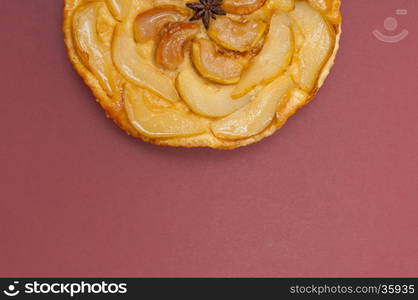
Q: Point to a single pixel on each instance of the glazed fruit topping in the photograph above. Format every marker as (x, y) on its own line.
(236, 35)
(242, 7)
(170, 51)
(149, 24)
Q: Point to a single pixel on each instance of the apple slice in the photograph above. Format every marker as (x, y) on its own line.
(256, 115)
(119, 8)
(242, 7)
(159, 123)
(273, 59)
(213, 65)
(136, 69)
(94, 55)
(206, 99)
(235, 35)
(318, 43)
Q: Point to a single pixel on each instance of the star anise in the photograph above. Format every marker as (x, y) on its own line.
(206, 10)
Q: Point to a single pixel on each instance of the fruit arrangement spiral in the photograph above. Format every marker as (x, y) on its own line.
(213, 73)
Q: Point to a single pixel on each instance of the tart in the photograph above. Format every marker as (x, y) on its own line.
(214, 73)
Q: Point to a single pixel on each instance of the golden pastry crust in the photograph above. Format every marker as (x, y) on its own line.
(114, 105)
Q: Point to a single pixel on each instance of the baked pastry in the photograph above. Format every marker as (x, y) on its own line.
(214, 73)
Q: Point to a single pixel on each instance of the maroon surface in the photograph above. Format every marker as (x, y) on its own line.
(334, 193)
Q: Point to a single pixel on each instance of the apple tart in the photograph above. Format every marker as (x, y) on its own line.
(208, 73)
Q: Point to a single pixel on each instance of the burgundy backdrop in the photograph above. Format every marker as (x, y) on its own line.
(333, 193)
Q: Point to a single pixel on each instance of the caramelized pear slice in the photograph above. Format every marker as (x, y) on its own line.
(320, 4)
(273, 59)
(91, 50)
(149, 24)
(206, 99)
(136, 69)
(159, 123)
(119, 8)
(242, 7)
(297, 99)
(256, 115)
(213, 65)
(235, 35)
(316, 48)
(170, 51)
(330, 8)
(285, 5)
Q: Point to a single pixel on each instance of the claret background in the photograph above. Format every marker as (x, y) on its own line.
(333, 193)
